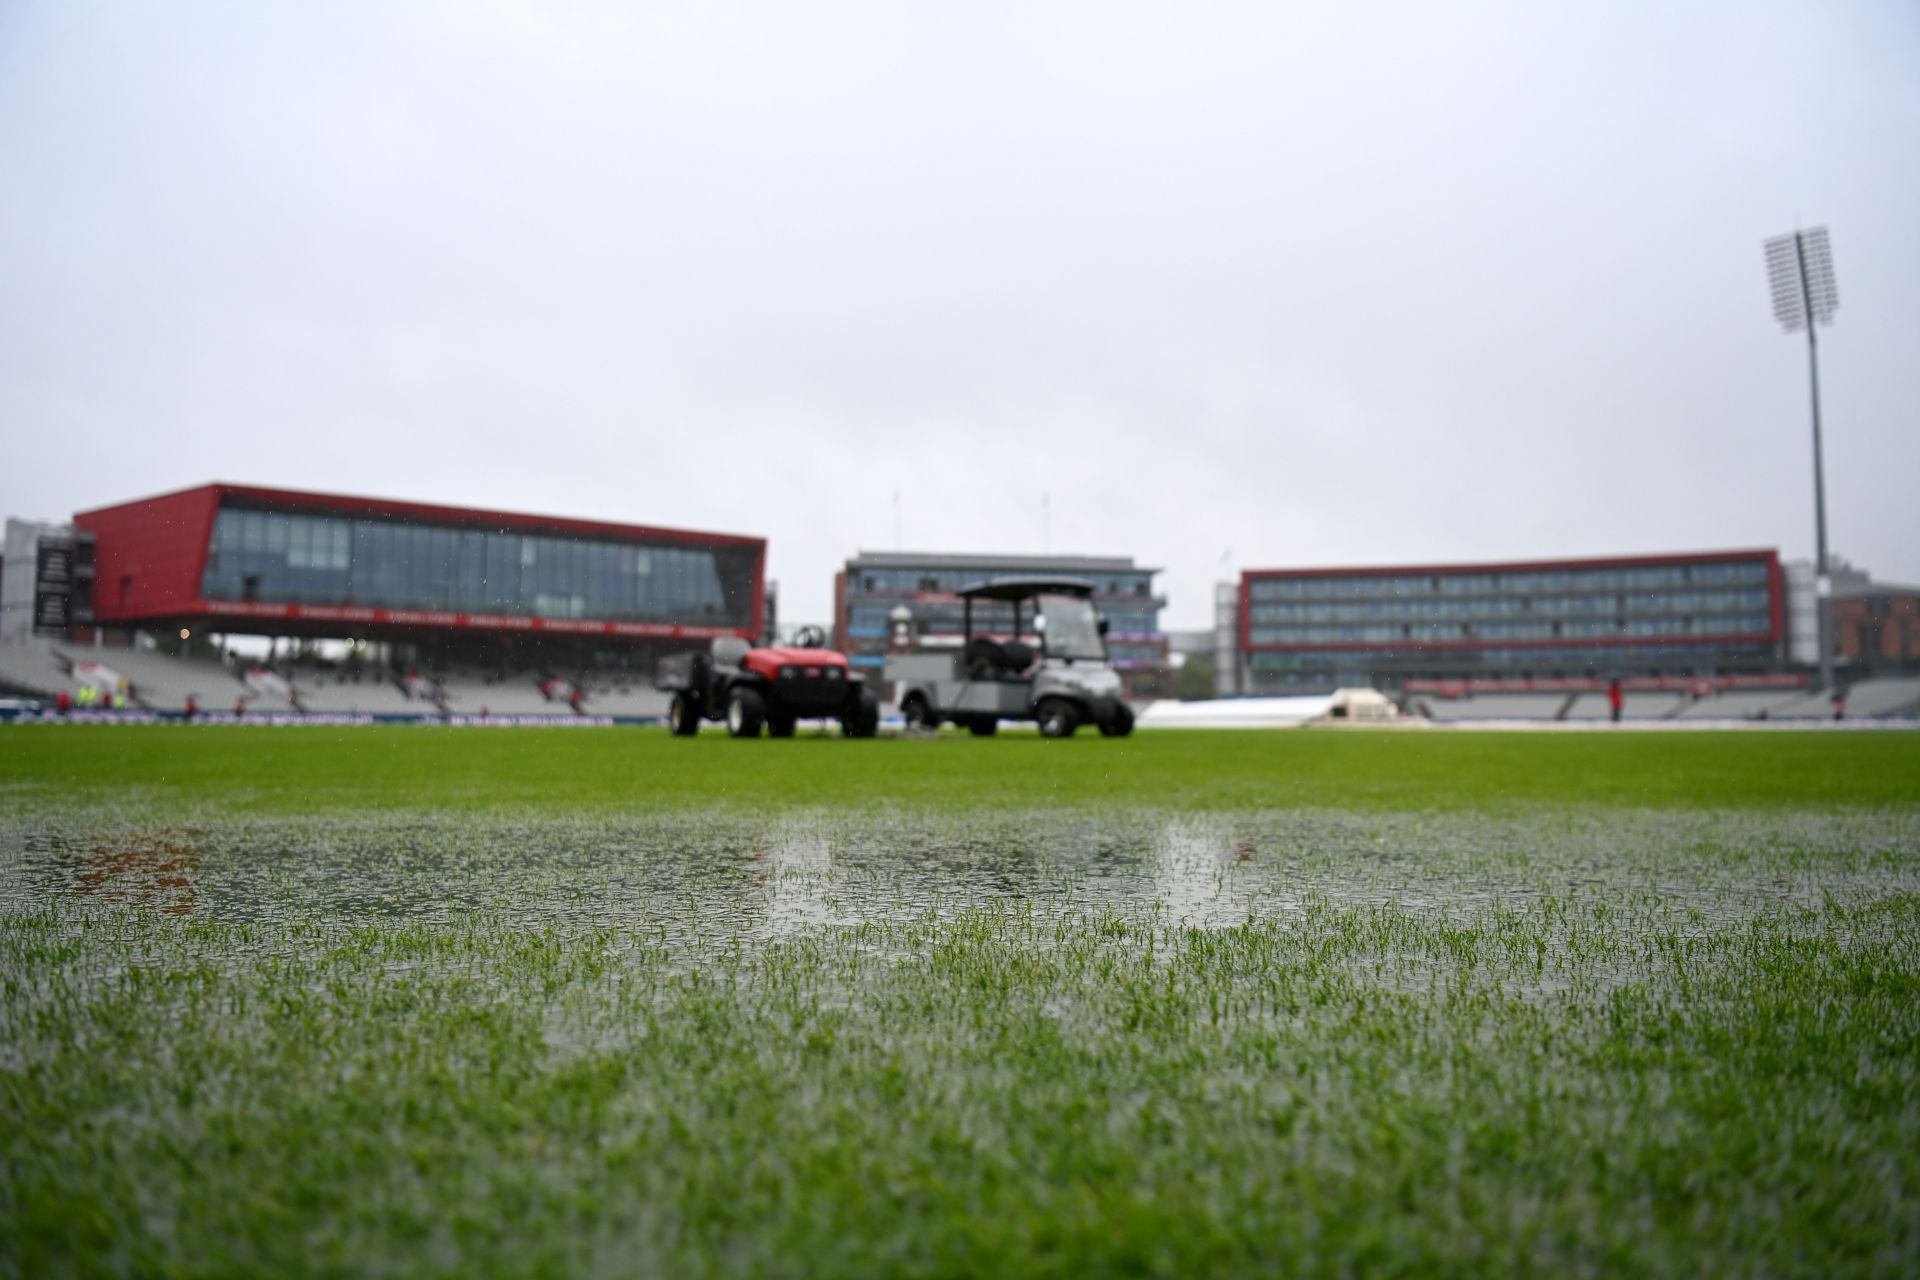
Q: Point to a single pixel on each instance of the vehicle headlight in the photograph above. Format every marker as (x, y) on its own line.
(831, 673)
(786, 673)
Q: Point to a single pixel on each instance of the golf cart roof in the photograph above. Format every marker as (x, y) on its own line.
(1025, 588)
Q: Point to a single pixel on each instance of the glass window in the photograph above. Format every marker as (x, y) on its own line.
(316, 559)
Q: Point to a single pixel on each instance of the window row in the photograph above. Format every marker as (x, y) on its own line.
(1469, 661)
(298, 559)
(1135, 653)
(909, 581)
(1528, 582)
(1653, 603)
(1437, 633)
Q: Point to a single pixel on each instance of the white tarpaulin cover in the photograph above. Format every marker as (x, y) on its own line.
(1269, 713)
(1235, 713)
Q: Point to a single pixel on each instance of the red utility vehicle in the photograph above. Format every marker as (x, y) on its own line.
(746, 688)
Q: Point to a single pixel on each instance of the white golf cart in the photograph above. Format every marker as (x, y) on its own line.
(1064, 684)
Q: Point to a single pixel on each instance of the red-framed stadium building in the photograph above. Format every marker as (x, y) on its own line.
(250, 560)
(1711, 615)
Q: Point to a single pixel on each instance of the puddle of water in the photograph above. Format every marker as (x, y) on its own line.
(675, 877)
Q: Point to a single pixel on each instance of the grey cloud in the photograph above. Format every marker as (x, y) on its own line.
(1319, 285)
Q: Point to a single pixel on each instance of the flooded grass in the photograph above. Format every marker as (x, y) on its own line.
(940, 1040)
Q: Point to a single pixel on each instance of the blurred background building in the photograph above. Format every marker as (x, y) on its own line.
(431, 598)
(231, 558)
(1876, 628)
(1683, 616)
(884, 598)
(1803, 619)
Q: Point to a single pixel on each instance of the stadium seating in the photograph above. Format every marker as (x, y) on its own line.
(1498, 706)
(1868, 699)
(629, 700)
(163, 683)
(1887, 697)
(341, 694)
(1633, 706)
(1811, 706)
(156, 682)
(1879, 698)
(516, 694)
(31, 669)
(1745, 704)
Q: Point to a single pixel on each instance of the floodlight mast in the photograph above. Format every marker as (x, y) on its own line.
(1800, 269)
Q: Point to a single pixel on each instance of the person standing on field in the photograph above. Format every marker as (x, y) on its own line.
(1615, 699)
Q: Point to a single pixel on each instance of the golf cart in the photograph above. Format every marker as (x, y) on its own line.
(1066, 683)
(746, 688)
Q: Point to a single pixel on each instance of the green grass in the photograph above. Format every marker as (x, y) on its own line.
(313, 771)
(420, 1002)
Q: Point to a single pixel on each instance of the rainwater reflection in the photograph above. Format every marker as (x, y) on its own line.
(667, 876)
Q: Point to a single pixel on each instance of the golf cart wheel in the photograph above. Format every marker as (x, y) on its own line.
(983, 728)
(863, 719)
(1057, 718)
(918, 713)
(1119, 724)
(745, 711)
(779, 725)
(683, 716)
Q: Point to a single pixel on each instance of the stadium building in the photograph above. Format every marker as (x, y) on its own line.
(1876, 628)
(430, 587)
(275, 561)
(1713, 616)
(886, 600)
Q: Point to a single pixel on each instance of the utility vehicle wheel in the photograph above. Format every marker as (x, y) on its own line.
(1057, 718)
(1119, 724)
(683, 716)
(983, 728)
(745, 710)
(918, 713)
(779, 725)
(863, 720)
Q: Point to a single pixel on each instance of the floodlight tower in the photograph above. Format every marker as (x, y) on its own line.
(1800, 269)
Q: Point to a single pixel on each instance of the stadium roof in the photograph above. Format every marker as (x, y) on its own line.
(307, 502)
(997, 560)
(1877, 588)
(1519, 566)
(1026, 587)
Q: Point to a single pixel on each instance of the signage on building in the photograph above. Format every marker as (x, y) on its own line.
(53, 578)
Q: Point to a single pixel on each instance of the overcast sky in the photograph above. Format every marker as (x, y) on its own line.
(1238, 286)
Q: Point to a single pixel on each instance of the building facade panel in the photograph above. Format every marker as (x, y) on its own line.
(309, 562)
(1878, 628)
(873, 585)
(149, 554)
(1675, 614)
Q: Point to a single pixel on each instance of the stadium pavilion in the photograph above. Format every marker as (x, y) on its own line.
(1544, 624)
(454, 582)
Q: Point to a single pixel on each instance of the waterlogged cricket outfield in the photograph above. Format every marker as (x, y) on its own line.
(483, 1002)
